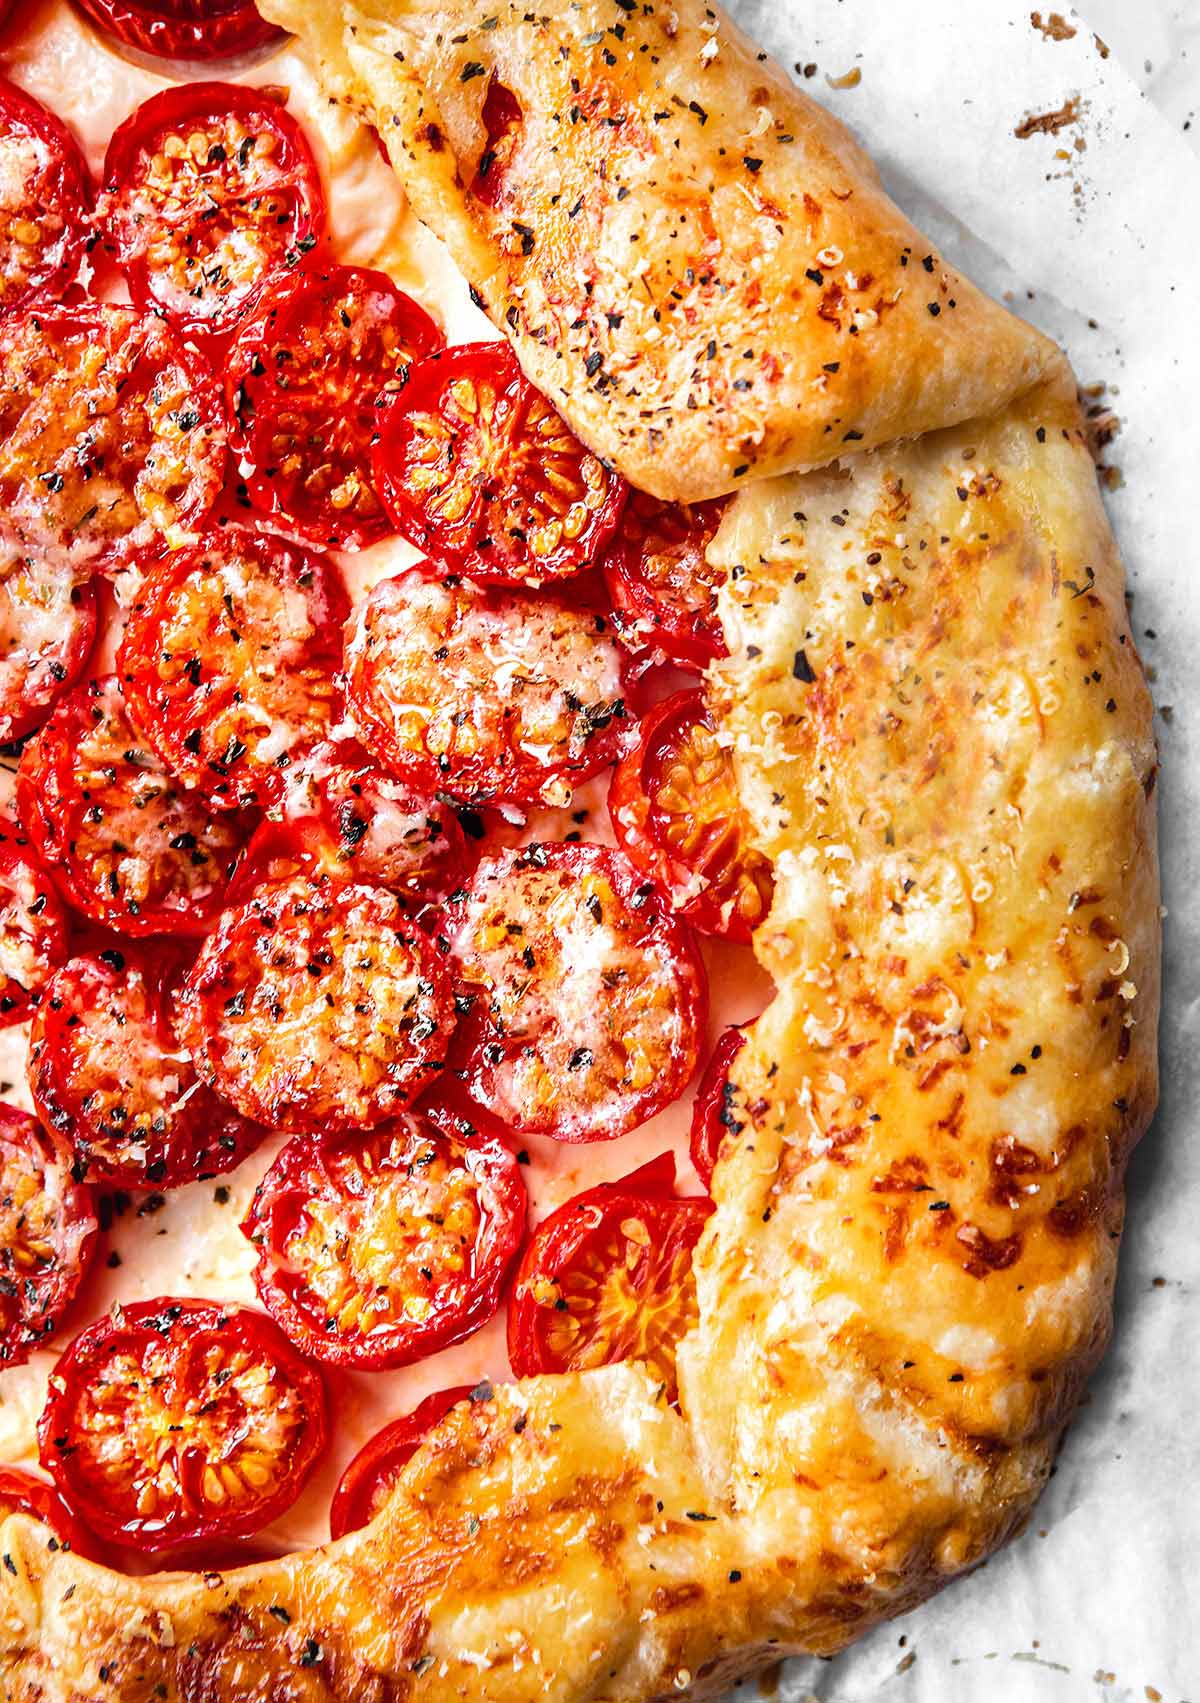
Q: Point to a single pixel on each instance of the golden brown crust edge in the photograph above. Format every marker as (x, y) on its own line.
(943, 733)
(695, 261)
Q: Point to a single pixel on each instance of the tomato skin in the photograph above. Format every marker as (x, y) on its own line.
(85, 779)
(582, 998)
(367, 1482)
(183, 29)
(544, 1336)
(42, 1206)
(711, 1119)
(228, 642)
(21, 1492)
(33, 925)
(283, 208)
(102, 1037)
(480, 487)
(59, 196)
(718, 882)
(305, 379)
(433, 705)
(40, 591)
(366, 996)
(391, 1186)
(113, 429)
(662, 589)
(159, 1360)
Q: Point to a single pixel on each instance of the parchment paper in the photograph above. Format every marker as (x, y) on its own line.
(1092, 229)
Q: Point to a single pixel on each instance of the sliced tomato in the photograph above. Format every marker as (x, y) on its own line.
(584, 997)
(343, 817)
(23, 1493)
(229, 658)
(108, 1072)
(381, 1250)
(712, 1116)
(48, 1233)
(664, 590)
(47, 630)
(676, 812)
(367, 1482)
(111, 432)
(317, 1007)
(485, 693)
(608, 1277)
(183, 29)
(33, 927)
(126, 845)
(210, 195)
(305, 381)
(476, 467)
(45, 201)
(174, 1420)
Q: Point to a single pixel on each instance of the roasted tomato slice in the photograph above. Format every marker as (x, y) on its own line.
(183, 29)
(228, 661)
(127, 846)
(305, 380)
(380, 1250)
(584, 997)
(33, 927)
(45, 199)
(343, 817)
(172, 1421)
(108, 1072)
(111, 431)
(663, 589)
(47, 630)
(23, 1493)
(675, 809)
(476, 467)
(48, 1233)
(367, 1482)
(210, 194)
(317, 1007)
(609, 1277)
(485, 693)
(712, 1115)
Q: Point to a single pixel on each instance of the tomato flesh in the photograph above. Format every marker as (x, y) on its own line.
(367, 1482)
(484, 693)
(171, 1421)
(476, 468)
(676, 811)
(48, 1233)
(378, 1251)
(305, 380)
(664, 590)
(45, 198)
(183, 29)
(583, 997)
(110, 432)
(126, 845)
(211, 193)
(47, 630)
(33, 928)
(22, 1493)
(108, 1072)
(316, 1007)
(229, 658)
(608, 1277)
(712, 1115)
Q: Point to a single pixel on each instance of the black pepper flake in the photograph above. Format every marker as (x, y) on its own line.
(735, 1576)
(802, 668)
(694, 106)
(700, 1518)
(830, 366)
(750, 163)
(471, 69)
(851, 437)
(593, 363)
(483, 1391)
(813, 276)
(311, 1654)
(933, 309)
(1017, 1070)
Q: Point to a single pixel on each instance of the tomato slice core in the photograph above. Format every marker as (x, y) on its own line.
(48, 1233)
(367, 1482)
(44, 201)
(664, 590)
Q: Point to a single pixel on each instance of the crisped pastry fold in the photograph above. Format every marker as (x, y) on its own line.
(695, 261)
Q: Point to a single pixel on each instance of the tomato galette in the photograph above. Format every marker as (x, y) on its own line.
(578, 906)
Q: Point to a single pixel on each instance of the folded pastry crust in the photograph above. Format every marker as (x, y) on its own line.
(942, 732)
(692, 259)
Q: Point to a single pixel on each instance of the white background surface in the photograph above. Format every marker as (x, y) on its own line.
(1100, 1599)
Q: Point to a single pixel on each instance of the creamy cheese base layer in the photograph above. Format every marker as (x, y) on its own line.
(187, 1242)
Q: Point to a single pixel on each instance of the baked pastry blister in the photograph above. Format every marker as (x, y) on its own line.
(940, 736)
